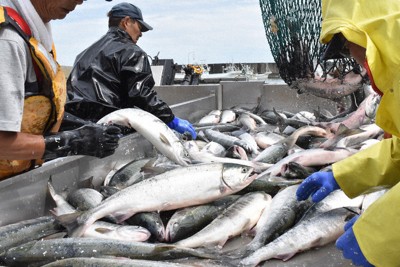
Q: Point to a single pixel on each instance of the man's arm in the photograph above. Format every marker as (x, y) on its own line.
(21, 146)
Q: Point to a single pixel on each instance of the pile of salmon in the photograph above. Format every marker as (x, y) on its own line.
(189, 203)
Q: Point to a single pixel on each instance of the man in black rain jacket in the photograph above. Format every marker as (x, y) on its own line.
(114, 73)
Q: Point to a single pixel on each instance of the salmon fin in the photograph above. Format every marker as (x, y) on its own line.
(207, 253)
(318, 242)
(103, 230)
(86, 183)
(164, 139)
(222, 243)
(342, 129)
(153, 170)
(251, 232)
(70, 221)
(55, 236)
(54, 212)
(280, 120)
(286, 257)
(51, 190)
(150, 163)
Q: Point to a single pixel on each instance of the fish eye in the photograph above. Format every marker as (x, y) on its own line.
(244, 170)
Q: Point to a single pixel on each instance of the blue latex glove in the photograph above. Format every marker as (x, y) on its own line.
(319, 185)
(349, 245)
(182, 126)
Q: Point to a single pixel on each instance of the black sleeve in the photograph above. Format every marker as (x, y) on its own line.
(71, 122)
(137, 80)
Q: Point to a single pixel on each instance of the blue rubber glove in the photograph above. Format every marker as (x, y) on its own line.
(182, 126)
(319, 185)
(349, 245)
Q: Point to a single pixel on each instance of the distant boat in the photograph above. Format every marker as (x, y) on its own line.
(231, 73)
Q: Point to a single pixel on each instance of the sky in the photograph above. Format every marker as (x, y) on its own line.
(187, 31)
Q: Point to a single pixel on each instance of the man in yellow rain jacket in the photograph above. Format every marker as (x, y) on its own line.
(370, 31)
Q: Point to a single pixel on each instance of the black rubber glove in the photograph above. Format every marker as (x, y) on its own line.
(125, 130)
(71, 122)
(91, 140)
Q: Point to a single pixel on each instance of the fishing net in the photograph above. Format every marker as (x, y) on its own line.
(292, 29)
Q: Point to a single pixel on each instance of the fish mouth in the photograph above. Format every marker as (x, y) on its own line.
(167, 236)
(253, 177)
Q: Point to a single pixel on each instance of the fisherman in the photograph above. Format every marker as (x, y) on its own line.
(33, 91)
(114, 73)
(368, 30)
(192, 74)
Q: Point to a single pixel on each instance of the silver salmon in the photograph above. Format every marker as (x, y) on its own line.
(314, 232)
(188, 221)
(239, 217)
(112, 262)
(151, 128)
(100, 229)
(46, 251)
(21, 232)
(282, 213)
(177, 188)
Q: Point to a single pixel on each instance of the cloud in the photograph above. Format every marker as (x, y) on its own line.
(209, 31)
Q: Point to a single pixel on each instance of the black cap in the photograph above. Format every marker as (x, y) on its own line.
(336, 48)
(125, 9)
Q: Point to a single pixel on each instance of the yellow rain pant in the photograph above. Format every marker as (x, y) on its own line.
(374, 25)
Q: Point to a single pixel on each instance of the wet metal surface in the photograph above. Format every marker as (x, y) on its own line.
(326, 256)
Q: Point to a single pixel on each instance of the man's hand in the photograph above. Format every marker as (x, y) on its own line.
(91, 140)
(182, 126)
(349, 245)
(319, 185)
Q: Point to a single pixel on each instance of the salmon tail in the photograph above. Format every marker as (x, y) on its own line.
(70, 222)
(205, 253)
(239, 253)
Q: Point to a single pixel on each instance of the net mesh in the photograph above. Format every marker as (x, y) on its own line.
(292, 29)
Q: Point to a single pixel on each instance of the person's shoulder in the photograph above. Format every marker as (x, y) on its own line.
(137, 49)
(10, 35)
(132, 47)
(130, 50)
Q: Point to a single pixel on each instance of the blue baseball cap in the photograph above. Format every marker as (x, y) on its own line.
(126, 9)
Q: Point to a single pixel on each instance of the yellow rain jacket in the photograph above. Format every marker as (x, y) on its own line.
(374, 25)
(43, 107)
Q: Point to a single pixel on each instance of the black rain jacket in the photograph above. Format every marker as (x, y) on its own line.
(113, 73)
